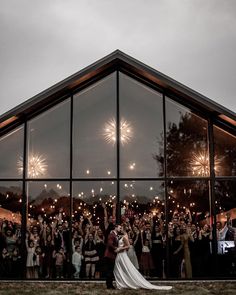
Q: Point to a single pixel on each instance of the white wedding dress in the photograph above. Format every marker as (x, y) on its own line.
(127, 276)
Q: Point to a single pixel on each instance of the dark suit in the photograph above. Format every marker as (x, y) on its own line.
(110, 256)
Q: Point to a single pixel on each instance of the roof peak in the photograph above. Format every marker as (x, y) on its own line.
(116, 60)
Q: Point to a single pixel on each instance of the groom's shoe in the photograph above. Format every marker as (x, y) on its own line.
(111, 287)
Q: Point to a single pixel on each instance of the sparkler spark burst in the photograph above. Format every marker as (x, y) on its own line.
(201, 166)
(126, 131)
(36, 166)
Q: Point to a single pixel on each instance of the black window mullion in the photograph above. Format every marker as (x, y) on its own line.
(118, 209)
(70, 185)
(167, 252)
(24, 203)
(212, 191)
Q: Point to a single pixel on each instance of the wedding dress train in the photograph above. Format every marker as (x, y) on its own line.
(127, 276)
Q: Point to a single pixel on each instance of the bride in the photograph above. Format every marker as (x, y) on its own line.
(126, 275)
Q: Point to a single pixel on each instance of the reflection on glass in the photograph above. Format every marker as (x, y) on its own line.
(225, 152)
(189, 229)
(94, 129)
(191, 197)
(226, 226)
(10, 229)
(48, 230)
(141, 130)
(142, 197)
(142, 215)
(94, 215)
(49, 143)
(11, 146)
(186, 136)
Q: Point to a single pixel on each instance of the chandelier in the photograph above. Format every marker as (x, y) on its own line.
(36, 166)
(126, 131)
(200, 164)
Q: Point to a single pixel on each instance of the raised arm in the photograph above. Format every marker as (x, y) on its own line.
(188, 215)
(114, 211)
(105, 216)
(90, 223)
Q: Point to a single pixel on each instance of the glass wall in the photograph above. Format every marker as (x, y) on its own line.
(94, 215)
(48, 236)
(11, 262)
(11, 155)
(141, 130)
(166, 200)
(49, 143)
(94, 130)
(186, 142)
(225, 152)
(226, 226)
(143, 217)
(189, 229)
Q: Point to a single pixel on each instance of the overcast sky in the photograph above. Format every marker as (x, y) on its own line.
(42, 42)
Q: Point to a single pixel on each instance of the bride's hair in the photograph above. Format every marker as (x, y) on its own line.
(124, 232)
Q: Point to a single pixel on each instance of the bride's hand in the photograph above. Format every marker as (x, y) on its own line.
(118, 250)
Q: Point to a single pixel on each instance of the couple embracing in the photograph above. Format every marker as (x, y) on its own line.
(120, 266)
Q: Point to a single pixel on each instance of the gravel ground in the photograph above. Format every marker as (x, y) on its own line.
(183, 288)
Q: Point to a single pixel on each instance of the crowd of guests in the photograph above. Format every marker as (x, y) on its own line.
(52, 251)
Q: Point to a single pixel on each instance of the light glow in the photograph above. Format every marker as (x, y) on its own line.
(200, 164)
(126, 131)
(36, 166)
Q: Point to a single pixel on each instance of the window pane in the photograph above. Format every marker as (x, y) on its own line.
(190, 223)
(48, 229)
(11, 156)
(186, 136)
(142, 212)
(141, 130)
(49, 143)
(10, 230)
(225, 153)
(94, 149)
(94, 214)
(226, 226)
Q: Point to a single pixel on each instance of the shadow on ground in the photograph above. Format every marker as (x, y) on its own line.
(186, 288)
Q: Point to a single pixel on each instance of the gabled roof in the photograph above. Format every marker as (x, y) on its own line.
(117, 60)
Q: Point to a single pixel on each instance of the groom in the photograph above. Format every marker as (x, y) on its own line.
(110, 254)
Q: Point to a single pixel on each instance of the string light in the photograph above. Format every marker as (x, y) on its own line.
(132, 166)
